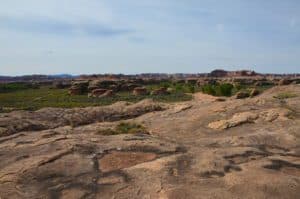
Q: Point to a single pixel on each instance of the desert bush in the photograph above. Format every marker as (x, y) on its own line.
(130, 128)
(34, 99)
(11, 87)
(124, 128)
(218, 90)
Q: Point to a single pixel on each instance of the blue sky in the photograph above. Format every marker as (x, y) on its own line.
(138, 36)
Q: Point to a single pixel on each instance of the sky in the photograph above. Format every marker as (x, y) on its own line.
(148, 36)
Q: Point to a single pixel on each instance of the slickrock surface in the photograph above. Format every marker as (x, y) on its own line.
(205, 148)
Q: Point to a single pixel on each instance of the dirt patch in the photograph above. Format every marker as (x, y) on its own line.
(119, 160)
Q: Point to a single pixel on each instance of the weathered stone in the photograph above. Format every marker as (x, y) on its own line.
(98, 92)
(79, 88)
(236, 120)
(102, 84)
(160, 91)
(140, 91)
(180, 158)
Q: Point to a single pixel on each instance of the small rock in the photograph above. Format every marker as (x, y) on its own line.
(140, 91)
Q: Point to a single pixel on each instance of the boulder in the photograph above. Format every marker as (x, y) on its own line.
(129, 87)
(101, 84)
(283, 82)
(140, 91)
(79, 88)
(108, 93)
(160, 91)
(93, 85)
(98, 92)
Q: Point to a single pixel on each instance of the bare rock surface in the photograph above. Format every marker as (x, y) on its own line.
(205, 148)
(49, 118)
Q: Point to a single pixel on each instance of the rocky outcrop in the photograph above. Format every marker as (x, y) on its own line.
(79, 88)
(49, 118)
(101, 93)
(56, 164)
(140, 91)
(160, 91)
(129, 86)
(103, 84)
(177, 156)
(236, 120)
(97, 92)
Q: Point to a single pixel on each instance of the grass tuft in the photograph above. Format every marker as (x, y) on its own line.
(34, 99)
(124, 128)
(285, 95)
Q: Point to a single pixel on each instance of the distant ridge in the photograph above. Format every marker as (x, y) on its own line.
(42, 78)
(218, 73)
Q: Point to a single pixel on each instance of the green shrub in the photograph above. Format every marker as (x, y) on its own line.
(224, 90)
(218, 90)
(11, 87)
(209, 89)
(191, 88)
(34, 99)
(130, 128)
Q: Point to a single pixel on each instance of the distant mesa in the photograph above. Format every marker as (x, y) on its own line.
(239, 73)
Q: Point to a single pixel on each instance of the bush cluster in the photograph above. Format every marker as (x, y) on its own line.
(11, 87)
(218, 89)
